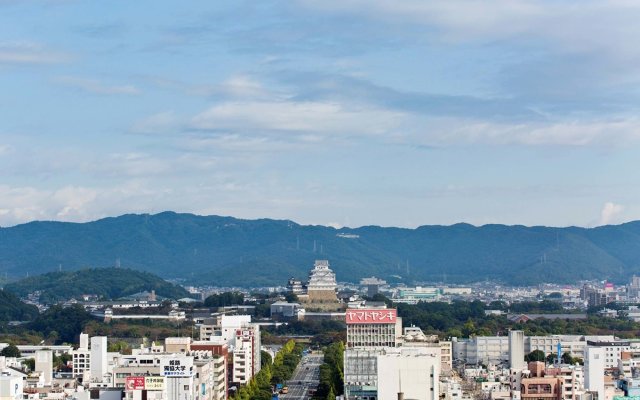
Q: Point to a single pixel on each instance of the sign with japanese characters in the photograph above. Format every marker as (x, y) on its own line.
(134, 383)
(154, 382)
(144, 383)
(371, 316)
(176, 367)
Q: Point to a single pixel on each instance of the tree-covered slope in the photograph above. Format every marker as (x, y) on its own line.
(228, 251)
(109, 283)
(12, 309)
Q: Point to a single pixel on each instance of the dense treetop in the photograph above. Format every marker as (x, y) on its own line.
(108, 283)
(12, 309)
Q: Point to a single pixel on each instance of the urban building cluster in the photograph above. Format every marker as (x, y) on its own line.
(382, 359)
(601, 367)
(227, 355)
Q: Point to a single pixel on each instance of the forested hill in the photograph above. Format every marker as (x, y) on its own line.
(12, 309)
(108, 283)
(229, 251)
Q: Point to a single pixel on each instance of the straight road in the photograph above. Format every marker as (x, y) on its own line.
(305, 377)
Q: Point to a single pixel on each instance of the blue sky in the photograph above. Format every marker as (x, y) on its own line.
(344, 113)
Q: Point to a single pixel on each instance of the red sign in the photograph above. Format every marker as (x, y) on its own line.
(371, 316)
(135, 383)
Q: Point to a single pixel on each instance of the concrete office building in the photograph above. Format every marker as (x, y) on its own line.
(44, 365)
(378, 357)
(414, 337)
(495, 349)
(482, 349)
(594, 365)
(612, 351)
(285, 309)
(243, 340)
(373, 327)
(11, 387)
(417, 294)
(99, 361)
(415, 372)
(246, 354)
(81, 358)
(516, 350)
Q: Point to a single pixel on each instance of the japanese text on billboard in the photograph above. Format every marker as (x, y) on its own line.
(371, 316)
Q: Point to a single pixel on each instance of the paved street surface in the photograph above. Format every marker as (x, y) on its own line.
(305, 377)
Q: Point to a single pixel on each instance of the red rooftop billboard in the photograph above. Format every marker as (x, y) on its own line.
(371, 316)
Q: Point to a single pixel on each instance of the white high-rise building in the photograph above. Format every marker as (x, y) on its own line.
(243, 338)
(594, 365)
(516, 350)
(44, 365)
(98, 362)
(81, 358)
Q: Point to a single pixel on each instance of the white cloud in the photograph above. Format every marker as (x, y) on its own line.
(71, 203)
(240, 86)
(502, 19)
(252, 123)
(290, 116)
(97, 87)
(26, 52)
(610, 213)
(22, 204)
(451, 131)
(604, 33)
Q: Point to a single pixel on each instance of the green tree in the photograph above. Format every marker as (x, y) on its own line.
(536, 355)
(60, 362)
(10, 351)
(66, 322)
(265, 359)
(568, 359)
(291, 297)
(224, 299)
(30, 363)
(469, 328)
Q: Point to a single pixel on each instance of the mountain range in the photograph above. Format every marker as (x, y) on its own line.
(226, 251)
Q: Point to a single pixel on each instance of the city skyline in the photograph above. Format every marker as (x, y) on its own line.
(334, 113)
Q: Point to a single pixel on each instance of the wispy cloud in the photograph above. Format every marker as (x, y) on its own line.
(97, 87)
(27, 52)
(290, 116)
(612, 133)
(547, 49)
(322, 106)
